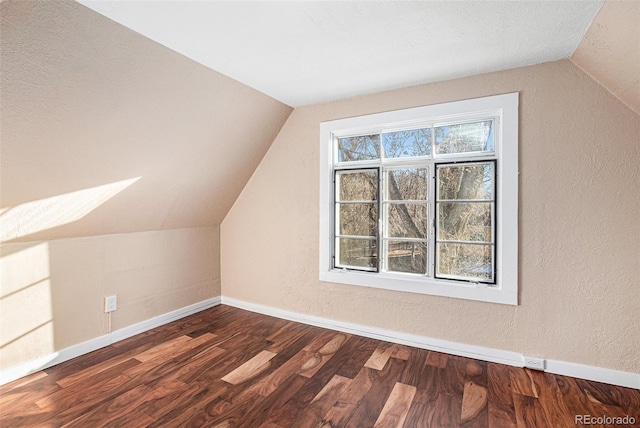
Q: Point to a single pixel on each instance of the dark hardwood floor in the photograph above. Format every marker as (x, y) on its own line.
(225, 367)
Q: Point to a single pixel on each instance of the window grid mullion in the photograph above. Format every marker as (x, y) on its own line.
(336, 215)
(386, 238)
(492, 205)
(453, 241)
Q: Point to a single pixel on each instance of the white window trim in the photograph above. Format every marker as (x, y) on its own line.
(505, 290)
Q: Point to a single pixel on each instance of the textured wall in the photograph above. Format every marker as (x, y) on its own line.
(610, 51)
(119, 159)
(51, 292)
(579, 225)
(87, 103)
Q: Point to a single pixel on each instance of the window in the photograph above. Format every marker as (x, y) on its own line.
(423, 200)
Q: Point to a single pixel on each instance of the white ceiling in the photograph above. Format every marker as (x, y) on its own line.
(308, 52)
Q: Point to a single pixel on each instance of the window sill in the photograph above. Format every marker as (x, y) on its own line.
(421, 285)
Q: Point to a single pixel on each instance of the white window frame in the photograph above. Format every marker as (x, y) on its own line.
(505, 109)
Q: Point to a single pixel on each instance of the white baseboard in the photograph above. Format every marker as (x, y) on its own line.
(16, 372)
(598, 374)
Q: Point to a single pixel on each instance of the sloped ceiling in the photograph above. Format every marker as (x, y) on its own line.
(610, 51)
(105, 131)
(308, 52)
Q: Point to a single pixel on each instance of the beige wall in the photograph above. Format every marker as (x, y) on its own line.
(119, 159)
(579, 226)
(51, 292)
(88, 103)
(610, 51)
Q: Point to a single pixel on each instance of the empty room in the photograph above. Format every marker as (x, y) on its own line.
(319, 214)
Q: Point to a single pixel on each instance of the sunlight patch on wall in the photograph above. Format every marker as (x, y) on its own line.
(26, 307)
(23, 268)
(43, 214)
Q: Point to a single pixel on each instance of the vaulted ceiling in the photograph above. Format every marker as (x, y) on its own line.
(105, 129)
(308, 52)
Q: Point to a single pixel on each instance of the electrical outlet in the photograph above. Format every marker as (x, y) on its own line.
(110, 303)
(534, 363)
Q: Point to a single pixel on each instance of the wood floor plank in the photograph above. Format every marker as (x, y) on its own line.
(380, 356)
(291, 410)
(172, 399)
(162, 348)
(268, 384)
(104, 355)
(288, 362)
(95, 369)
(312, 415)
(575, 399)
(431, 379)
(499, 415)
(255, 411)
(227, 367)
(413, 373)
(169, 361)
(269, 425)
(205, 372)
(275, 369)
(437, 359)
(250, 369)
(22, 382)
(448, 409)
(499, 384)
(419, 413)
(285, 336)
(197, 364)
(627, 398)
(401, 352)
(474, 405)
(73, 404)
(112, 412)
(431, 401)
(349, 400)
(631, 400)
(529, 412)
(191, 412)
(324, 354)
(349, 359)
(521, 382)
(319, 340)
(476, 372)
(332, 346)
(266, 326)
(396, 408)
(25, 395)
(261, 410)
(550, 396)
(29, 419)
(455, 376)
(369, 408)
(581, 402)
(24, 413)
(500, 408)
(84, 388)
(475, 400)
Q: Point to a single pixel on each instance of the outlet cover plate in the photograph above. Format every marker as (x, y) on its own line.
(534, 363)
(110, 303)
